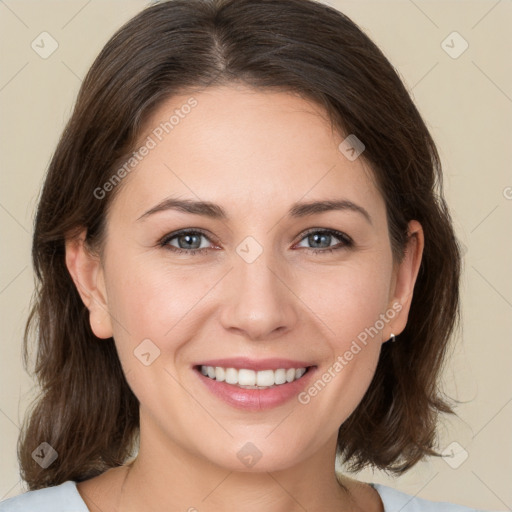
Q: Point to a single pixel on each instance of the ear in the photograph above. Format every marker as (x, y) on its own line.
(87, 274)
(405, 275)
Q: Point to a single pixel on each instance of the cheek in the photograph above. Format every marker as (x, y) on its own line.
(155, 301)
(349, 299)
(155, 311)
(352, 304)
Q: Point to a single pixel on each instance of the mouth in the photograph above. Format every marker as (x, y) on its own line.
(247, 378)
(255, 384)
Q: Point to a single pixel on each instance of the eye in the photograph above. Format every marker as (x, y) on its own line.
(187, 241)
(319, 238)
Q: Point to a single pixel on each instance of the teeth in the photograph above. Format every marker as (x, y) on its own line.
(250, 379)
(299, 372)
(280, 376)
(247, 378)
(265, 378)
(220, 374)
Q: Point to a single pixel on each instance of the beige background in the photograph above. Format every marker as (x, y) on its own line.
(467, 103)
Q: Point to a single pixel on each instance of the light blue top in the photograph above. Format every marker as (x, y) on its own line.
(66, 498)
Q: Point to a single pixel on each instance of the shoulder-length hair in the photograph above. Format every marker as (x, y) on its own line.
(86, 411)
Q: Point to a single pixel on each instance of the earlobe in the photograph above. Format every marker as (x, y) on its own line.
(406, 275)
(87, 273)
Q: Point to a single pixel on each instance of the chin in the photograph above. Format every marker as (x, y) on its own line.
(255, 457)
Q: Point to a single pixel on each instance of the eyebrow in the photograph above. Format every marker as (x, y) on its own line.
(214, 211)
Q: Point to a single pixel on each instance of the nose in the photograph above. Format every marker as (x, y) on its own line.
(260, 303)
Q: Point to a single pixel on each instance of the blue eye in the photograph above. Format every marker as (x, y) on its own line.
(318, 237)
(189, 241)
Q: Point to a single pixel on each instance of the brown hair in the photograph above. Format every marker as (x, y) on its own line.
(86, 411)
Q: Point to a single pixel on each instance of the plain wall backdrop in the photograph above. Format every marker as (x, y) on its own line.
(454, 57)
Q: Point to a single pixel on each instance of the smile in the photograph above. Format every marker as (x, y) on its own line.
(251, 379)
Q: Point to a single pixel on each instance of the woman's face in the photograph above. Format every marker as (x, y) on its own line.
(265, 292)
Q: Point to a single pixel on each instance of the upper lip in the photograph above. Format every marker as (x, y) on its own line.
(255, 364)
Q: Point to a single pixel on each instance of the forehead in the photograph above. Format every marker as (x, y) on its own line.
(246, 149)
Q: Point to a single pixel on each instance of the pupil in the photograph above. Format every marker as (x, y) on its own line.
(188, 239)
(317, 237)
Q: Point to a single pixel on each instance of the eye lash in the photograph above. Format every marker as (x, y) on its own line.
(164, 242)
(346, 241)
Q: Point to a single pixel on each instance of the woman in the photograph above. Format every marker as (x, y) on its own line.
(246, 267)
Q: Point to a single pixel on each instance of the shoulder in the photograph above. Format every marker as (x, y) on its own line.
(59, 498)
(395, 501)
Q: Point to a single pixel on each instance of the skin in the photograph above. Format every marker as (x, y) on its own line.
(255, 153)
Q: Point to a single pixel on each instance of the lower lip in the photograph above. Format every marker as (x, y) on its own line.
(256, 399)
